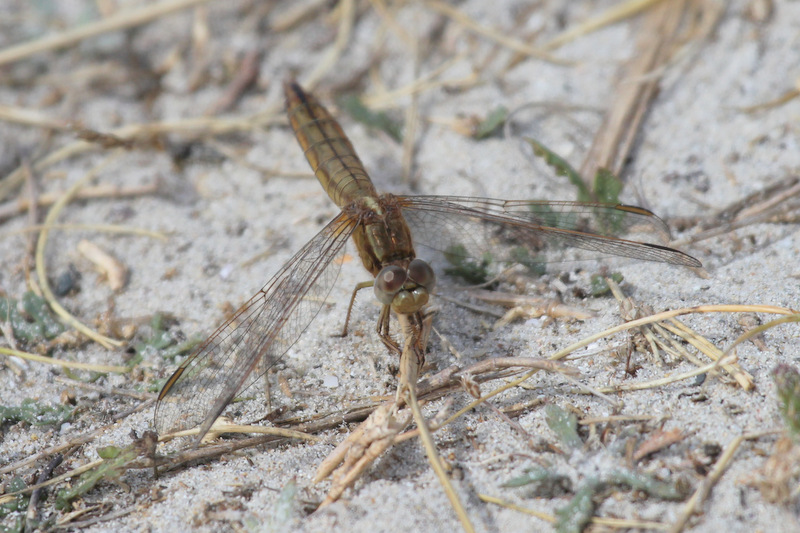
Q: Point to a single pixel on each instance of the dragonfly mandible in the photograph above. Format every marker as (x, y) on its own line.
(387, 231)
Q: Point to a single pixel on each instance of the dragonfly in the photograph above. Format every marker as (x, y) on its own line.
(387, 230)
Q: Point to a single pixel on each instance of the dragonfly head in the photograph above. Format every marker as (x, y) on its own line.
(406, 290)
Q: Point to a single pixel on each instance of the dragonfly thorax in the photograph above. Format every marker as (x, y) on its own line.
(406, 290)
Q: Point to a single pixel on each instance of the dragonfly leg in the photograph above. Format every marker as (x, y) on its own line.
(358, 287)
(383, 330)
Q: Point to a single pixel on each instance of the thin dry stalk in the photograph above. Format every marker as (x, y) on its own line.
(297, 14)
(658, 317)
(57, 449)
(198, 126)
(668, 380)
(497, 36)
(426, 82)
(660, 336)
(411, 123)
(99, 228)
(372, 438)
(619, 12)
(785, 98)
(5, 498)
(525, 306)
(744, 379)
(246, 76)
(108, 391)
(221, 426)
(31, 117)
(761, 206)
(409, 368)
(617, 523)
(389, 20)
(41, 269)
(711, 479)
(119, 21)
(614, 139)
(760, 329)
(347, 13)
(22, 204)
(64, 364)
(114, 270)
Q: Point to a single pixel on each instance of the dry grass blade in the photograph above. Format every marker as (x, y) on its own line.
(764, 205)
(297, 13)
(525, 306)
(616, 523)
(190, 126)
(99, 228)
(613, 15)
(64, 364)
(41, 269)
(760, 329)
(409, 368)
(31, 117)
(425, 82)
(389, 19)
(361, 448)
(785, 98)
(744, 379)
(659, 335)
(614, 139)
(21, 204)
(5, 498)
(496, 36)
(115, 272)
(347, 13)
(671, 379)
(658, 317)
(708, 483)
(221, 426)
(121, 20)
(411, 123)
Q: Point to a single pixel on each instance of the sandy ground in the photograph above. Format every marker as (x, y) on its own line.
(699, 152)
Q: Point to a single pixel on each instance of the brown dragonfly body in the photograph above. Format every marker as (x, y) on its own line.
(386, 230)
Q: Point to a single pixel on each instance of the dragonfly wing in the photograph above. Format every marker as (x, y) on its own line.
(474, 227)
(260, 333)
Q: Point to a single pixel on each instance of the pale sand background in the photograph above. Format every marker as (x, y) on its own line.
(699, 152)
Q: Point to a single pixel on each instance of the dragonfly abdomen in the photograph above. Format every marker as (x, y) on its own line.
(329, 152)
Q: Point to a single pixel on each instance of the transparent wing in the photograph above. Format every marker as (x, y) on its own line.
(258, 335)
(471, 228)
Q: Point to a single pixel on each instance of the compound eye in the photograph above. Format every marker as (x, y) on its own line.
(388, 283)
(422, 274)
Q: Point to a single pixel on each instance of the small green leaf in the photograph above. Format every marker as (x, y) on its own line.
(491, 124)
(20, 501)
(108, 452)
(281, 516)
(533, 264)
(598, 285)
(607, 187)
(353, 105)
(564, 424)
(576, 515)
(37, 308)
(36, 414)
(787, 386)
(546, 483)
(39, 324)
(562, 169)
(648, 484)
(110, 469)
(471, 270)
(162, 342)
